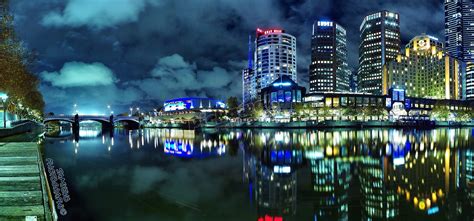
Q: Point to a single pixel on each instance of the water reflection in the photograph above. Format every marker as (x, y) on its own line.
(373, 174)
(398, 172)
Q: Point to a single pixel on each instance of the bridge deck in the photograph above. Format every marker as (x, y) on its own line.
(23, 189)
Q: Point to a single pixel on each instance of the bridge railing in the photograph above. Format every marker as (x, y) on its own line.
(88, 116)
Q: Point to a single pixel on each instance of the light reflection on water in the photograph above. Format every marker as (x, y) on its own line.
(372, 174)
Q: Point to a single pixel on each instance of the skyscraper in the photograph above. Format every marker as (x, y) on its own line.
(424, 70)
(380, 42)
(248, 79)
(459, 33)
(275, 56)
(329, 70)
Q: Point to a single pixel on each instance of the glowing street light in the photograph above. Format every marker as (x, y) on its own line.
(4, 98)
(75, 109)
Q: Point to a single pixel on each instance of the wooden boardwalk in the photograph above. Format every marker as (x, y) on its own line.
(23, 187)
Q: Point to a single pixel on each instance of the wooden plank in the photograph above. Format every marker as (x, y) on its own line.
(10, 161)
(21, 211)
(19, 218)
(20, 183)
(22, 170)
(21, 198)
(15, 153)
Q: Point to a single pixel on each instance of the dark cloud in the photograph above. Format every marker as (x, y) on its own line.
(208, 38)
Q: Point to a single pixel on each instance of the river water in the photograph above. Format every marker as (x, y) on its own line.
(344, 174)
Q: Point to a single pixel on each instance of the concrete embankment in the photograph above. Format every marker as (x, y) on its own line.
(320, 124)
(24, 127)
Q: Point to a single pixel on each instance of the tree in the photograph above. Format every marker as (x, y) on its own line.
(350, 112)
(15, 77)
(464, 115)
(233, 106)
(440, 112)
(299, 110)
(324, 112)
(257, 110)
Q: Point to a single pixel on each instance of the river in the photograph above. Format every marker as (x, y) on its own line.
(344, 174)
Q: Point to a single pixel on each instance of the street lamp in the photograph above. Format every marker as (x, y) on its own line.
(75, 109)
(4, 98)
(108, 107)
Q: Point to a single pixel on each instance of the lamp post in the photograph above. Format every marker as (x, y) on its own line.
(4, 98)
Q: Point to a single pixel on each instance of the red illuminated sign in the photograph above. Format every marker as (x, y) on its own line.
(270, 218)
(268, 31)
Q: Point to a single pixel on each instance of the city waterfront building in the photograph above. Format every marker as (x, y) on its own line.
(275, 56)
(191, 109)
(380, 42)
(395, 103)
(194, 103)
(459, 35)
(328, 70)
(282, 94)
(424, 70)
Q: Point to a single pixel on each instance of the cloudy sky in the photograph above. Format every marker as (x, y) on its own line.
(127, 53)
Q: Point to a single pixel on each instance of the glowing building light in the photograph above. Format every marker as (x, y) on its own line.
(281, 169)
(433, 210)
(285, 84)
(398, 161)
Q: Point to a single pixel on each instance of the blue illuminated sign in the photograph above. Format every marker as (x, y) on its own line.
(388, 102)
(398, 95)
(407, 104)
(285, 84)
(433, 210)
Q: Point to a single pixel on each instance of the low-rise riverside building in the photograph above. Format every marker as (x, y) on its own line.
(395, 104)
(282, 94)
(192, 109)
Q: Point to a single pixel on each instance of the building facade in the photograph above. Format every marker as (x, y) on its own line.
(194, 104)
(283, 94)
(424, 71)
(380, 42)
(459, 38)
(329, 70)
(248, 79)
(247, 86)
(275, 56)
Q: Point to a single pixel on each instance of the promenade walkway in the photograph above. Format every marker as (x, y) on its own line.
(23, 187)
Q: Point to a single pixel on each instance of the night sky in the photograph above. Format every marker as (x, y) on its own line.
(140, 52)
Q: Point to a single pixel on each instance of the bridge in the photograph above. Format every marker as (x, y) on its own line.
(107, 121)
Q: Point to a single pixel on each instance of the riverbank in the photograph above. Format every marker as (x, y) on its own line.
(19, 129)
(319, 124)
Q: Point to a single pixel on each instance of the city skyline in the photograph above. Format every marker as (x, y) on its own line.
(130, 66)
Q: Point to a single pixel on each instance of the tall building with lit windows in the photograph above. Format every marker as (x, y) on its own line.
(380, 43)
(275, 56)
(248, 79)
(459, 38)
(424, 70)
(329, 70)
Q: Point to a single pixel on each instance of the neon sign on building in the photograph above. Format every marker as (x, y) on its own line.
(268, 31)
